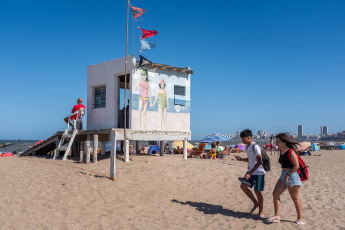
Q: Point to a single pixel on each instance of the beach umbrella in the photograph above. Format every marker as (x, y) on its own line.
(215, 137)
(176, 144)
(220, 148)
(207, 147)
(241, 147)
(315, 147)
(302, 146)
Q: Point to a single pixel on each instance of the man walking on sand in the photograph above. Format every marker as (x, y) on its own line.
(255, 176)
(75, 108)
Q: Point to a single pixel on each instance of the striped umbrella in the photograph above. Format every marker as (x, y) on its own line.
(215, 137)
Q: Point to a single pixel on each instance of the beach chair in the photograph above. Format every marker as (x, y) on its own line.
(80, 113)
(199, 150)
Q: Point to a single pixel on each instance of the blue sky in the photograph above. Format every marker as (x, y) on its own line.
(268, 65)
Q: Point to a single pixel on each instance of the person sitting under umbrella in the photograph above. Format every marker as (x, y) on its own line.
(167, 149)
(178, 150)
(226, 150)
(143, 150)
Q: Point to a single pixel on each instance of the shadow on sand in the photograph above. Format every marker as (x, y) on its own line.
(217, 209)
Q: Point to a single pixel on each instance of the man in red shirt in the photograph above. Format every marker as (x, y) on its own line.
(75, 108)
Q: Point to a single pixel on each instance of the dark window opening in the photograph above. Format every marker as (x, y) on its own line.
(180, 90)
(99, 97)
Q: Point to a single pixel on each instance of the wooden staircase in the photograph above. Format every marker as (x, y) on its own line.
(69, 138)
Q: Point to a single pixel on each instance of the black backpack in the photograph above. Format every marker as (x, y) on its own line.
(266, 163)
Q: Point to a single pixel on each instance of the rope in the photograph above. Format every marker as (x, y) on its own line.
(133, 36)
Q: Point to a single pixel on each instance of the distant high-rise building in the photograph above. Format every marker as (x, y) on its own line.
(324, 130)
(237, 133)
(300, 131)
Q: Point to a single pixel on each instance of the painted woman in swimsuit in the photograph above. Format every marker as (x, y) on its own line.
(145, 93)
(163, 103)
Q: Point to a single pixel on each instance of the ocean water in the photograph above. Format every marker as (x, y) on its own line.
(18, 146)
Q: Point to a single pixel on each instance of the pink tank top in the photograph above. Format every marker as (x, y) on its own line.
(144, 91)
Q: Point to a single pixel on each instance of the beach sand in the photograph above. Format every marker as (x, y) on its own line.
(153, 192)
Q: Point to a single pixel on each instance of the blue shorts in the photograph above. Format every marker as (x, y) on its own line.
(293, 179)
(258, 181)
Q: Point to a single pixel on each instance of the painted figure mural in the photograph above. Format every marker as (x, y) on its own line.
(145, 94)
(159, 95)
(163, 103)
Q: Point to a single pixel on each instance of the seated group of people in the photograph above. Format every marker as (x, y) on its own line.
(178, 150)
(167, 150)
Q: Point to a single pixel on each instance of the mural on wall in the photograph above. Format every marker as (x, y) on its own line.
(163, 103)
(160, 100)
(145, 93)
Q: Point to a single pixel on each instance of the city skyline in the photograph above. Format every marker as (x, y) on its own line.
(300, 130)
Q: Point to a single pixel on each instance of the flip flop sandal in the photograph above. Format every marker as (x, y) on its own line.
(243, 181)
(272, 220)
(297, 222)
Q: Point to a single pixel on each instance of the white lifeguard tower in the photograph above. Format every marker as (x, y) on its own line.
(105, 91)
(158, 109)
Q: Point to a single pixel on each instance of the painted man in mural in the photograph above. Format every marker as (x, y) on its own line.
(145, 93)
(163, 103)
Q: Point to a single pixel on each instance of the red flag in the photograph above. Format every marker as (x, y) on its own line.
(137, 11)
(148, 33)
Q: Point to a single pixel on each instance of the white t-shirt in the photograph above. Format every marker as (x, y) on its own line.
(252, 159)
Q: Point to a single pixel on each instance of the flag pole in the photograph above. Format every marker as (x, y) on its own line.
(124, 103)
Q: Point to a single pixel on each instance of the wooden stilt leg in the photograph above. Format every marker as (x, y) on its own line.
(185, 149)
(137, 147)
(113, 155)
(102, 148)
(126, 150)
(87, 150)
(81, 152)
(161, 144)
(95, 148)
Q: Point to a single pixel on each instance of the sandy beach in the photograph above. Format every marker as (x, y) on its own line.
(153, 192)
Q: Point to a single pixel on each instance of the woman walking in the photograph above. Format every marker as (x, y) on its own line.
(289, 178)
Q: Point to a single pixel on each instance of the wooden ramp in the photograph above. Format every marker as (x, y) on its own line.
(43, 147)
